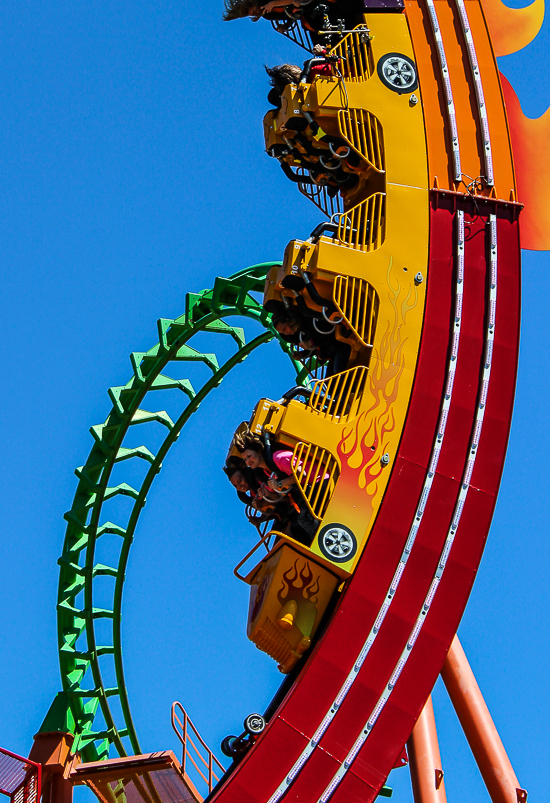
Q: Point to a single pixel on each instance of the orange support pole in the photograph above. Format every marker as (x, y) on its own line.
(425, 760)
(480, 730)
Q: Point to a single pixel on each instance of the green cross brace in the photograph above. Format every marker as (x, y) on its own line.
(75, 708)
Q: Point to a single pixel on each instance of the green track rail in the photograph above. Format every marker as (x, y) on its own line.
(84, 660)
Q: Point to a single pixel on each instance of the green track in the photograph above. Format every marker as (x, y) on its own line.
(84, 660)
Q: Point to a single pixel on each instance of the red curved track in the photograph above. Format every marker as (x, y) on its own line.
(292, 727)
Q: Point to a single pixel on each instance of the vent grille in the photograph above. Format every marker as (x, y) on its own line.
(293, 31)
(318, 195)
(364, 226)
(271, 640)
(316, 471)
(357, 302)
(339, 396)
(313, 368)
(364, 133)
(355, 52)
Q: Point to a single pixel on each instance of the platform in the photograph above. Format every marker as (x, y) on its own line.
(147, 778)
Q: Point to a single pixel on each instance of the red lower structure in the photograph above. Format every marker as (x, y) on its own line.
(487, 748)
(425, 760)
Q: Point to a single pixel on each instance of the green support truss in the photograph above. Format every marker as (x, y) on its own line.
(84, 660)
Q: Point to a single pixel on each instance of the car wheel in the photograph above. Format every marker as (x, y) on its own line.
(227, 746)
(254, 724)
(337, 543)
(398, 73)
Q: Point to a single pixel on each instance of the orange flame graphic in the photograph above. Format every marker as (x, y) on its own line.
(364, 441)
(512, 29)
(530, 138)
(299, 582)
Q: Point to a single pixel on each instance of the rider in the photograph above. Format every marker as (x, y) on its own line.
(257, 495)
(300, 521)
(315, 15)
(274, 9)
(253, 453)
(296, 329)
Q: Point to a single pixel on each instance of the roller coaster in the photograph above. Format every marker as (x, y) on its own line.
(405, 300)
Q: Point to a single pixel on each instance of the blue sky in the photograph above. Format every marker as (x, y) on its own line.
(132, 171)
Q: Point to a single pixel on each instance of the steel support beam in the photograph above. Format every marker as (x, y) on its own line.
(479, 728)
(425, 760)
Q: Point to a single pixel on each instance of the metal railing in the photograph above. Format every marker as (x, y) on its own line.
(355, 53)
(258, 519)
(364, 226)
(267, 540)
(293, 31)
(338, 397)
(319, 196)
(316, 471)
(358, 303)
(20, 779)
(209, 769)
(314, 368)
(364, 133)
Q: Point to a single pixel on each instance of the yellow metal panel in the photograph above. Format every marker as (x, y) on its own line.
(267, 415)
(338, 398)
(356, 54)
(406, 243)
(316, 471)
(365, 135)
(357, 302)
(303, 423)
(393, 270)
(288, 597)
(366, 442)
(402, 123)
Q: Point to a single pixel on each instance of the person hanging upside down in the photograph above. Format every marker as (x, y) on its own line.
(300, 331)
(282, 482)
(237, 9)
(315, 15)
(252, 450)
(258, 496)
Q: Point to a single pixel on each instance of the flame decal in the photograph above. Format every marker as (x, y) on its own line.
(512, 29)
(530, 138)
(299, 583)
(365, 440)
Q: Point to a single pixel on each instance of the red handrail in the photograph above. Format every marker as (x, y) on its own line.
(190, 749)
(20, 779)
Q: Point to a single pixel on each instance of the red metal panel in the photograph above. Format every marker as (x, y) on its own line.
(313, 779)
(356, 789)
(500, 403)
(422, 668)
(425, 403)
(257, 776)
(427, 658)
(462, 412)
(399, 621)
